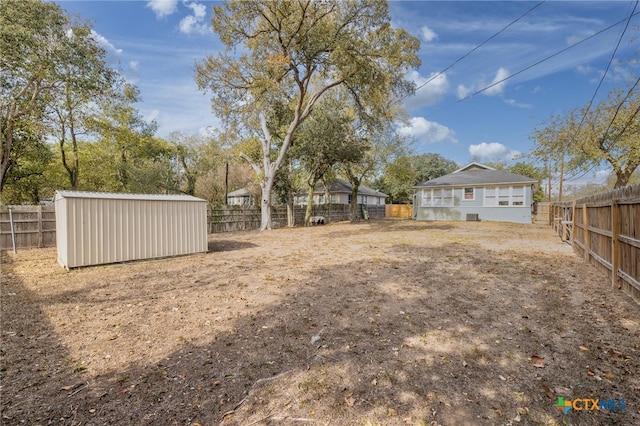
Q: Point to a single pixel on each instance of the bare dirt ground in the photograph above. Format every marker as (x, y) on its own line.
(380, 323)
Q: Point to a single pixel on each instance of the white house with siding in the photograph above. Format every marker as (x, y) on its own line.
(340, 192)
(475, 192)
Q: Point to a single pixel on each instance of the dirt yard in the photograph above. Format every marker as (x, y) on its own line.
(380, 323)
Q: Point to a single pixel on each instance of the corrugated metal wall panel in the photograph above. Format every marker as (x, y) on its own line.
(96, 228)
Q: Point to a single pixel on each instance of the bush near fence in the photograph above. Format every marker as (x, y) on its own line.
(35, 226)
(605, 230)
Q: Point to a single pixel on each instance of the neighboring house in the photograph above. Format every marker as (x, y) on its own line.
(240, 197)
(475, 192)
(340, 193)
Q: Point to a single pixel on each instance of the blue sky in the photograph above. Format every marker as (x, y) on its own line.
(156, 44)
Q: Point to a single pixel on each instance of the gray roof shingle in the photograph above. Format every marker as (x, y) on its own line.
(476, 177)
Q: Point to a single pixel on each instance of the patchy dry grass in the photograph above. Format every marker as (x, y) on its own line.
(382, 323)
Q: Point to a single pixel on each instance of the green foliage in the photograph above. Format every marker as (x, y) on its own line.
(406, 171)
(293, 52)
(131, 158)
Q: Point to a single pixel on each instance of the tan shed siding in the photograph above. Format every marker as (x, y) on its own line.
(108, 229)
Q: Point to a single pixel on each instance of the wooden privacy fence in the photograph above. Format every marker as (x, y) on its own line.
(240, 218)
(33, 226)
(398, 210)
(605, 230)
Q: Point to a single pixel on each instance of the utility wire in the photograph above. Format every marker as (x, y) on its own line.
(584, 115)
(578, 175)
(547, 58)
(469, 53)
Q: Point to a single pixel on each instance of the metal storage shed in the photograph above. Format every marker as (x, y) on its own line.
(94, 228)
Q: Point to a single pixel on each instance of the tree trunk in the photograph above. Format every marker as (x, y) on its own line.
(307, 214)
(622, 179)
(291, 218)
(354, 203)
(265, 206)
(5, 154)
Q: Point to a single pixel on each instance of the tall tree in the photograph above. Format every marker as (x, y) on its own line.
(39, 49)
(294, 52)
(324, 141)
(582, 139)
(133, 159)
(377, 145)
(85, 79)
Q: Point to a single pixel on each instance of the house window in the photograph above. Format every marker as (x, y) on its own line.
(469, 194)
(321, 199)
(437, 197)
(490, 197)
(504, 196)
(333, 198)
(517, 196)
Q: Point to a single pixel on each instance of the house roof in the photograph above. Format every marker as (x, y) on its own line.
(242, 192)
(476, 174)
(60, 194)
(344, 186)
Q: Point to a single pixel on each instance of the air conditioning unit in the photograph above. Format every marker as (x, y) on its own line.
(473, 217)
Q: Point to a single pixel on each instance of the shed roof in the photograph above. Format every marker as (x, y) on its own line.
(122, 196)
(476, 174)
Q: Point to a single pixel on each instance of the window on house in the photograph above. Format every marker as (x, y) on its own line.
(469, 194)
(437, 198)
(490, 197)
(504, 196)
(517, 196)
(333, 198)
(321, 199)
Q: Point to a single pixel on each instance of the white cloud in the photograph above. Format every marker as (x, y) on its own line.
(497, 85)
(493, 151)
(428, 34)
(112, 52)
(428, 93)
(513, 102)
(497, 81)
(199, 10)
(152, 115)
(195, 23)
(425, 131)
(133, 65)
(163, 8)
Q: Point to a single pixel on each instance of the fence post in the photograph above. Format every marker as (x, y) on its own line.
(40, 227)
(615, 244)
(573, 222)
(585, 232)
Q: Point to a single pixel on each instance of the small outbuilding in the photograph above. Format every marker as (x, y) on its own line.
(95, 228)
(475, 192)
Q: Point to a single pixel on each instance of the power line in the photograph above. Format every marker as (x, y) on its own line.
(547, 58)
(470, 52)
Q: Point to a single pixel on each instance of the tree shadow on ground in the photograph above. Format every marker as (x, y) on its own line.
(415, 335)
(217, 245)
